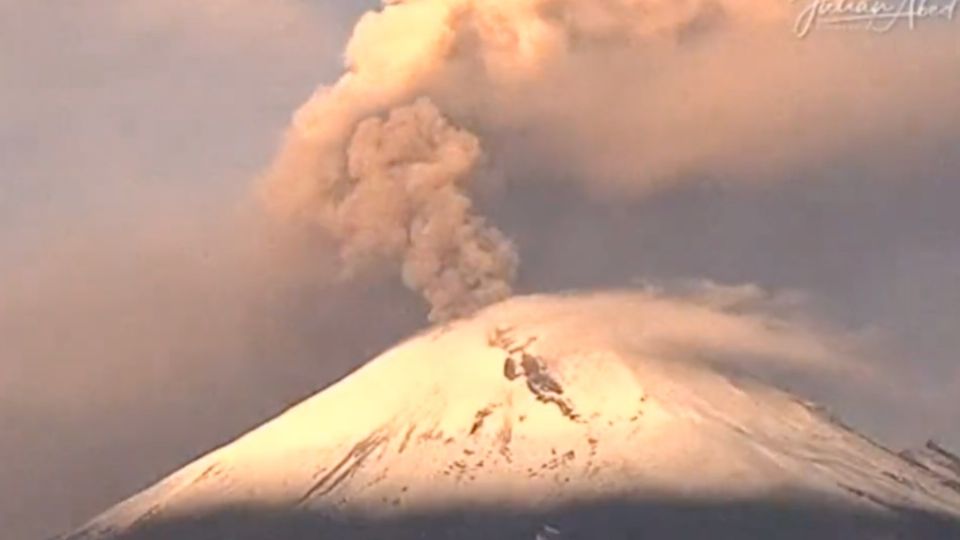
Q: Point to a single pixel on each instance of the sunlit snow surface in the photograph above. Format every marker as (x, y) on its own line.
(542, 403)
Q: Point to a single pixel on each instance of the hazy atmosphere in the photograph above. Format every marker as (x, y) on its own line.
(183, 256)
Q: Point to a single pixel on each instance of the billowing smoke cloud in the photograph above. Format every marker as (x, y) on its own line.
(624, 97)
(405, 199)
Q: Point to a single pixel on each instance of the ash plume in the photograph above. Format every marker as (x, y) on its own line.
(405, 200)
(622, 97)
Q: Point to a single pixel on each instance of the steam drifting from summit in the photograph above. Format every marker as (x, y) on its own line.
(624, 97)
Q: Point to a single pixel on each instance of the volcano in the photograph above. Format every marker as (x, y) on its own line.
(546, 417)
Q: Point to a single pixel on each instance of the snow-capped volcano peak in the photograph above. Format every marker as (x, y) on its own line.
(535, 405)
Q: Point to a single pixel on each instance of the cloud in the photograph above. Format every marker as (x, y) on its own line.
(755, 332)
(622, 99)
(408, 201)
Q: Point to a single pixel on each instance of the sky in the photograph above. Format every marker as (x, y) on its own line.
(147, 316)
(119, 124)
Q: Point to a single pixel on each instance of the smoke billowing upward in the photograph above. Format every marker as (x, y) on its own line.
(623, 97)
(405, 200)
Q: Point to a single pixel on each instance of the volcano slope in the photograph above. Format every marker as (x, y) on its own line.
(553, 417)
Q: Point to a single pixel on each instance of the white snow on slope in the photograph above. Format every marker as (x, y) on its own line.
(544, 400)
